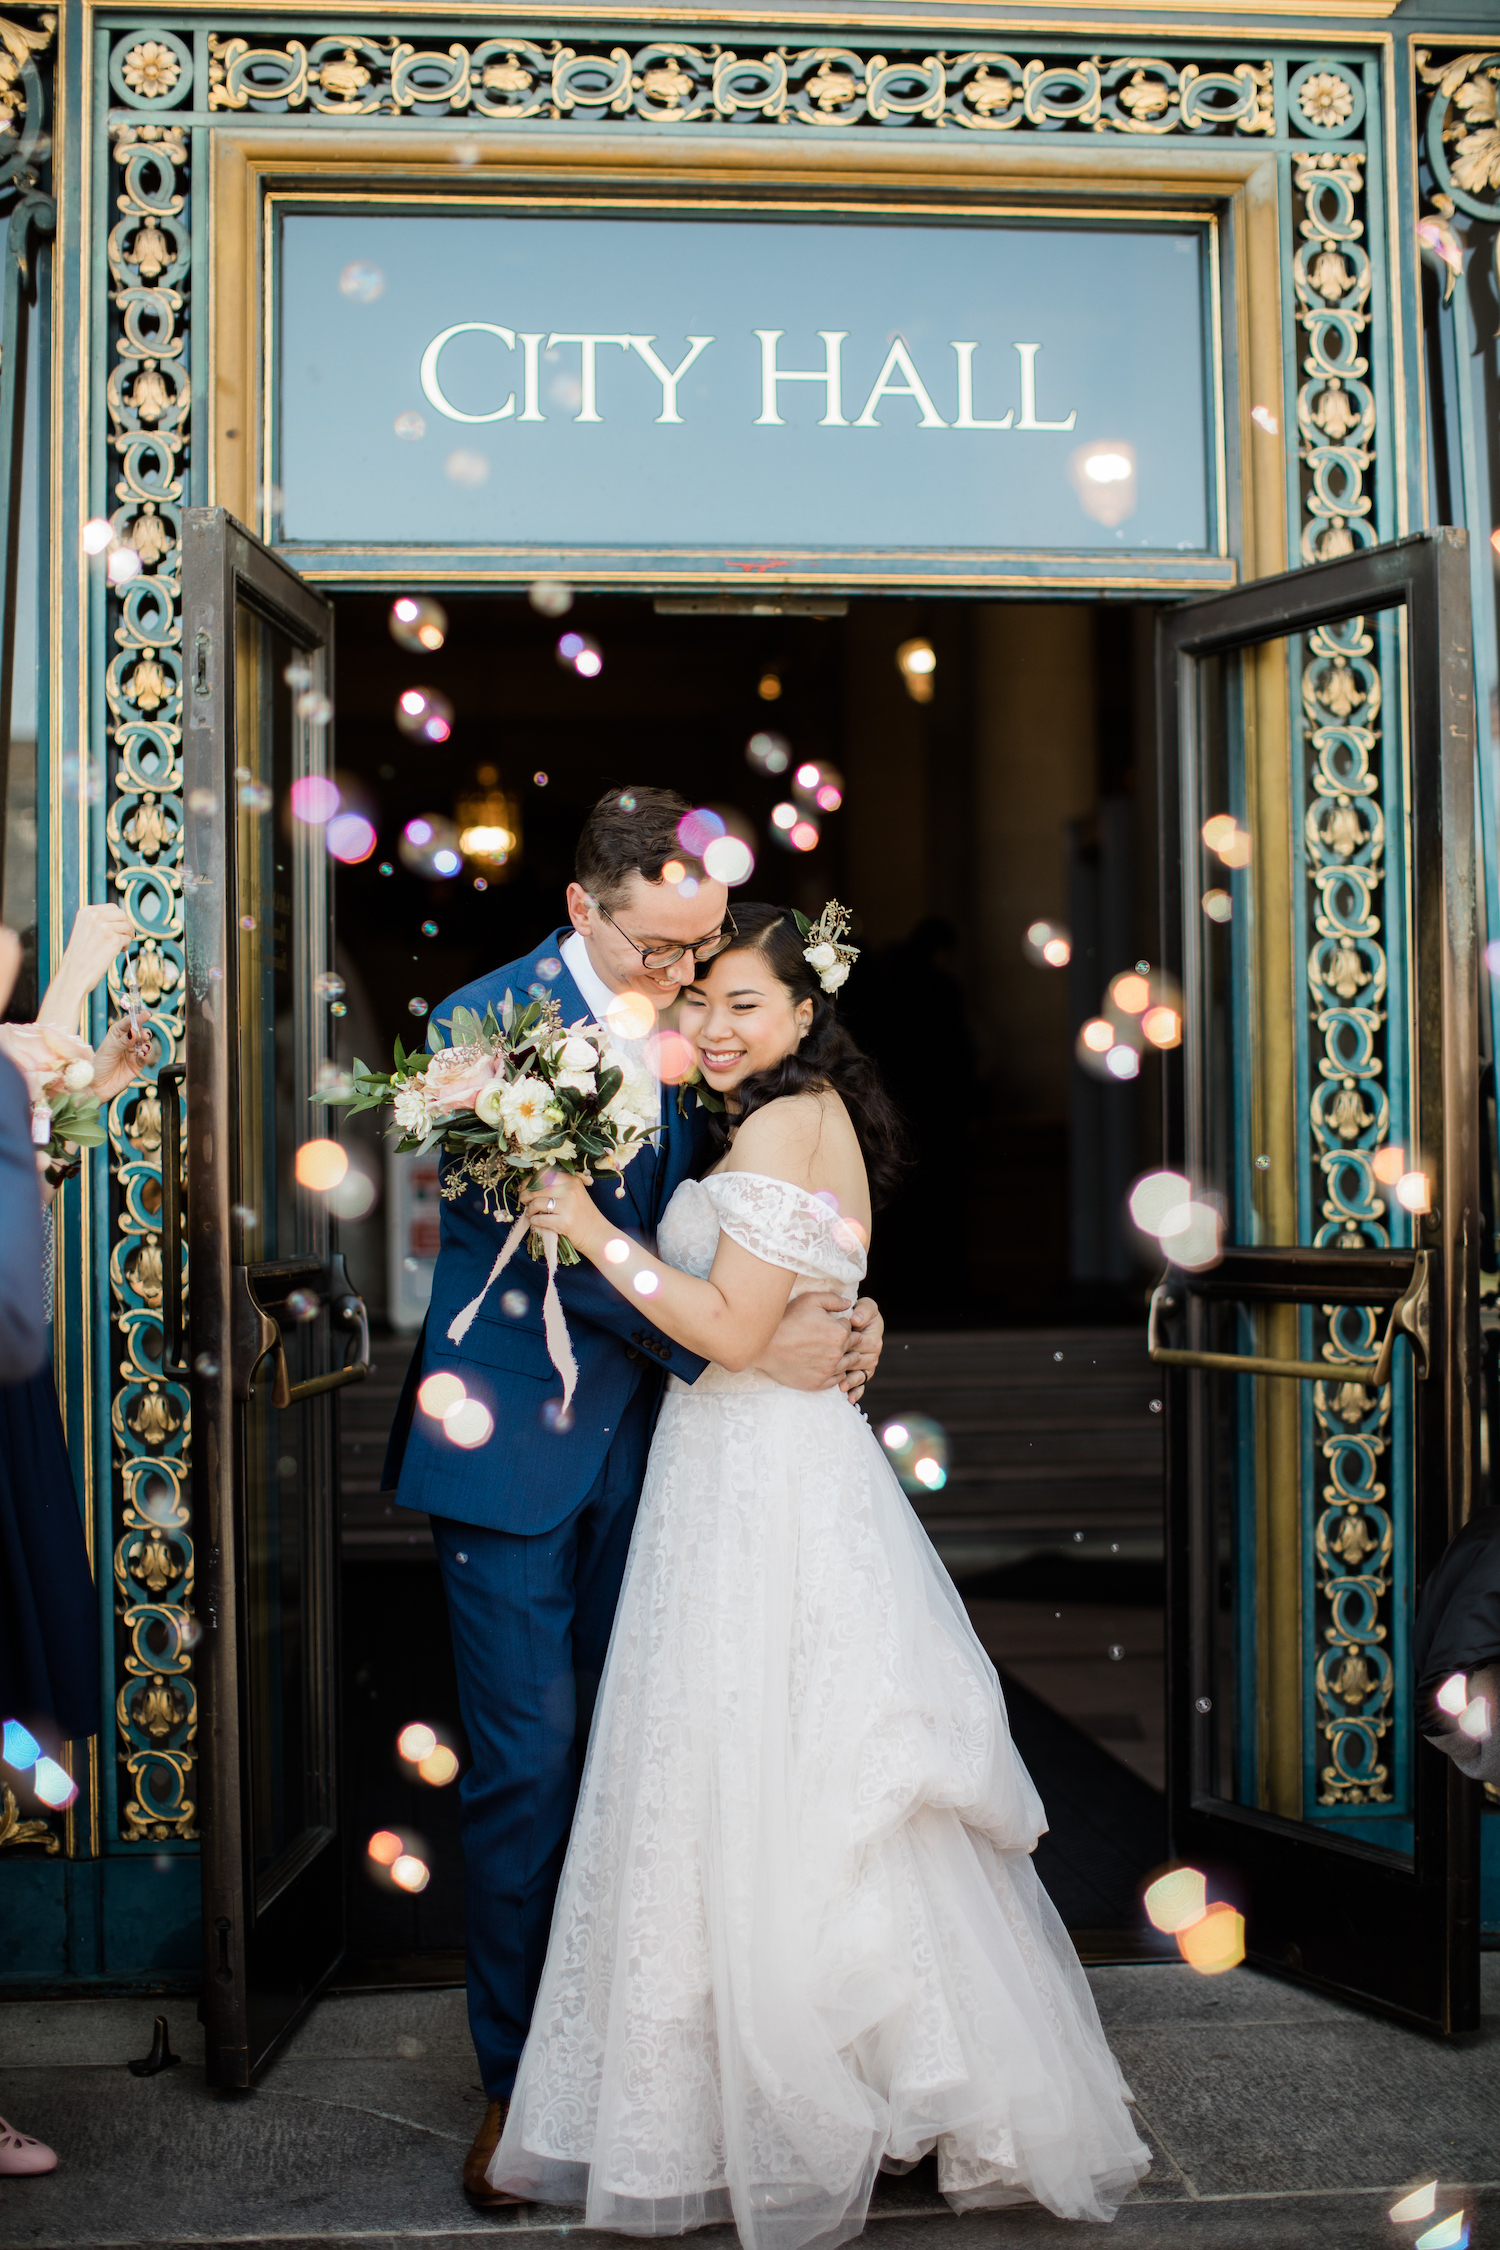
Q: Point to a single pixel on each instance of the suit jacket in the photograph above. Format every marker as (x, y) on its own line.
(23, 1335)
(529, 1475)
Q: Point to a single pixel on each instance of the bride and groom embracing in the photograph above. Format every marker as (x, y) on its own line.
(797, 1934)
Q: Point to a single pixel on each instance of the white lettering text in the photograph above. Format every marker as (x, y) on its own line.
(589, 345)
(1028, 419)
(669, 377)
(828, 375)
(966, 419)
(430, 357)
(899, 357)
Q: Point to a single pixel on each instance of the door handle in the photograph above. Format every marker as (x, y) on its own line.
(258, 1338)
(167, 1083)
(1410, 1317)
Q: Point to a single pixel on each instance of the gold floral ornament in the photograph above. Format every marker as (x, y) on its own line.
(15, 1830)
(1146, 98)
(832, 89)
(986, 91)
(1326, 100)
(508, 77)
(1470, 83)
(823, 946)
(668, 83)
(18, 43)
(151, 70)
(1335, 413)
(346, 80)
(149, 536)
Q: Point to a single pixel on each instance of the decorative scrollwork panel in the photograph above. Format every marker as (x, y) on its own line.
(148, 395)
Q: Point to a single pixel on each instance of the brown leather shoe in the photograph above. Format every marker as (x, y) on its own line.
(476, 2187)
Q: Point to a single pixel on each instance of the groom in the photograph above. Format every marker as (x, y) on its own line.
(532, 1528)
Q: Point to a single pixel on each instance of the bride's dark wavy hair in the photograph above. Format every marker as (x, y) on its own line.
(827, 1056)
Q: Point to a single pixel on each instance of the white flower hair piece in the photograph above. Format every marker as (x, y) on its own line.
(823, 947)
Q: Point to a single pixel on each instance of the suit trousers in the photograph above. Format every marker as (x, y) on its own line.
(531, 1620)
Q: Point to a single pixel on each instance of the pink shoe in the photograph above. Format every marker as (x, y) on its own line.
(19, 2153)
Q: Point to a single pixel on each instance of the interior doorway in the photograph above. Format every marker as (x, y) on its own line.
(1004, 778)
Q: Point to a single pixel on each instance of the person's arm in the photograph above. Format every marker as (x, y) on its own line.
(730, 1318)
(99, 933)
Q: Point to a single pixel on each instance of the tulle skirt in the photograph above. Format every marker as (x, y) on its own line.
(799, 1935)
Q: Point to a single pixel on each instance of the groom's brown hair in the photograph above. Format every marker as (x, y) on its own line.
(631, 830)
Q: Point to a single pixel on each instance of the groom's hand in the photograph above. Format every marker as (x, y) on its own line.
(808, 1350)
(862, 1353)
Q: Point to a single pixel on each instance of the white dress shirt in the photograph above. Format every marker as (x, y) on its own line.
(597, 996)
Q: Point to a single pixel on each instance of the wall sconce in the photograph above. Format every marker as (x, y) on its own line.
(489, 826)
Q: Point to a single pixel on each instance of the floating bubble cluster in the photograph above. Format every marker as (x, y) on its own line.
(423, 715)
(430, 846)
(466, 1421)
(1210, 1937)
(417, 623)
(350, 837)
(580, 653)
(819, 785)
(1188, 1228)
(768, 753)
(918, 1449)
(1049, 945)
(1224, 837)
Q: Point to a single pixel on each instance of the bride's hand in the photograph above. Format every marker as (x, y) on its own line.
(559, 1203)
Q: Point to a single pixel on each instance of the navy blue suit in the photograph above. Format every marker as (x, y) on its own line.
(532, 1531)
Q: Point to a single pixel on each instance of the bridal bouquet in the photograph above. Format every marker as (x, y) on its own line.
(514, 1095)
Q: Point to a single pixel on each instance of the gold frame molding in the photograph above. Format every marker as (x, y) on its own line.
(253, 168)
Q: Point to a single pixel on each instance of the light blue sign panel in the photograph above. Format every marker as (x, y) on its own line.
(719, 385)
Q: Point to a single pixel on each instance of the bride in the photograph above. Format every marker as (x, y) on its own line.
(799, 1936)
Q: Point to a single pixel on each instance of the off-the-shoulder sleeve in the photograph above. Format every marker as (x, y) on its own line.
(786, 1226)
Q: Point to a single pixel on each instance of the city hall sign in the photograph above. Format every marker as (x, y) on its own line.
(556, 387)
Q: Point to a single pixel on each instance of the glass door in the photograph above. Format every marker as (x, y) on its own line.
(1318, 1320)
(271, 1328)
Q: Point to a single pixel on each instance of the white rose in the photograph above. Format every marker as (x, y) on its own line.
(580, 1081)
(77, 1076)
(523, 1110)
(487, 1103)
(412, 1113)
(635, 1100)
(820, 957)
(575, 1053)
(834, 977)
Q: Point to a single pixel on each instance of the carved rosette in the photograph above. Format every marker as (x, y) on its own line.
(148, 396)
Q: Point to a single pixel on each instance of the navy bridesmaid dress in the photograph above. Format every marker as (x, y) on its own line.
(49, 1619)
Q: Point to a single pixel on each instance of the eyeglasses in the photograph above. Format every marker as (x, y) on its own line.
(667, 956)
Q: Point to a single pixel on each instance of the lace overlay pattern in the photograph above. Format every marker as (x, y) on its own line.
(799, 1933)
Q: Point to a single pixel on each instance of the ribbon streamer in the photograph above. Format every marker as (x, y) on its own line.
(554, 1326)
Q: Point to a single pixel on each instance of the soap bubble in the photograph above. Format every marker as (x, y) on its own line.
(1049, 945)
(416, 1742)
(354, 1196)
(301, 1306)
(918, 1451)
(729, 859)
(768, 753)
(550, 597)
(417, 622)
(467, 468)
(315, 799)
(1176, 1900)
(409, 426)
(362, 282)
(582, 652)
(321, 1164)
(350, 838)
(437, 1395)
(416, 1007)
(513, 1303)
(430, 846)
(424, 715)
(411, 1873)
(468, 1424)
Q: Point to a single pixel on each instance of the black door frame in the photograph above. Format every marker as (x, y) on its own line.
(1341, 1915)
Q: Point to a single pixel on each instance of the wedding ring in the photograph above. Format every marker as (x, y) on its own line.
(551, 1206)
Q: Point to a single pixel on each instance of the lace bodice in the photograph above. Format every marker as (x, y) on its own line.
(785, 1225)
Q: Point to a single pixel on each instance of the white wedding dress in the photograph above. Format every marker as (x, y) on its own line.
(799, 1934)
